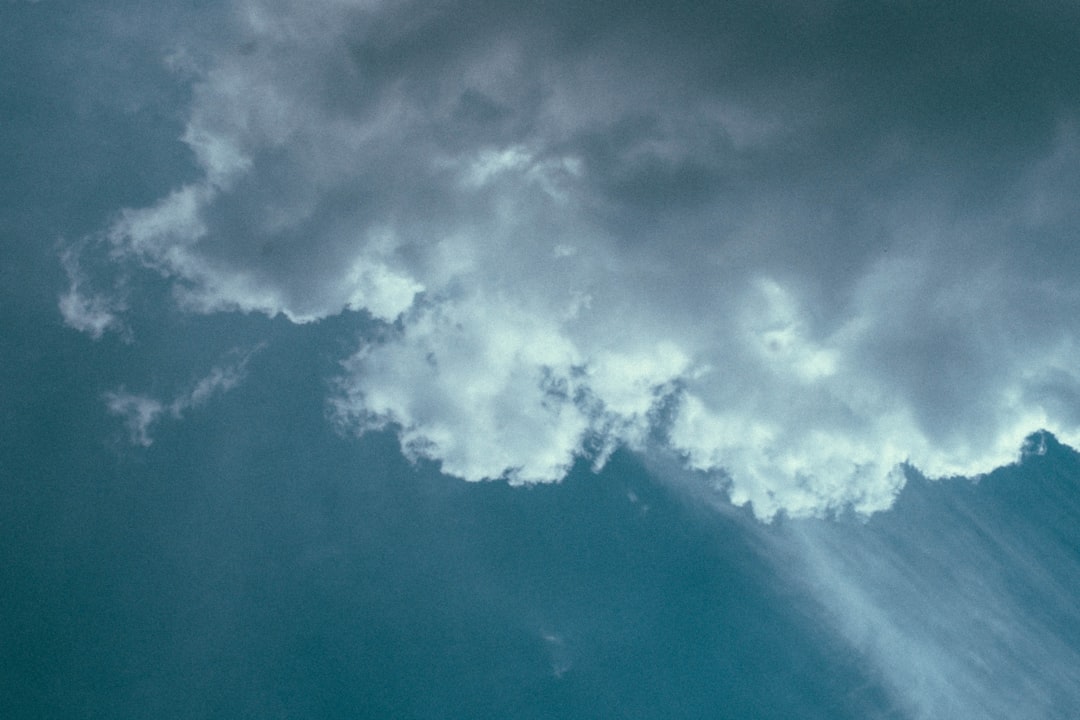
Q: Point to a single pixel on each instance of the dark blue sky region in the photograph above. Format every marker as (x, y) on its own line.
(488, 360)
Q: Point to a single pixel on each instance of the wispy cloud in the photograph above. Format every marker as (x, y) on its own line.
(963, 604)
(84, 309)
(142, 412)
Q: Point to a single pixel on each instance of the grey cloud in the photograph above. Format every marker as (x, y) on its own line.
(827, 225)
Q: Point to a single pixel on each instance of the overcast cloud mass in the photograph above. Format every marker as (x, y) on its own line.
(799, 244)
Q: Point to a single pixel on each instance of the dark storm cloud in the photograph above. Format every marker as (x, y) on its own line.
(829, 238)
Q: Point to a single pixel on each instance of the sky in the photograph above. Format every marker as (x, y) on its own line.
(481, 359)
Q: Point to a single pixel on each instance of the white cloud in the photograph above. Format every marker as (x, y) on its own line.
(88, 311)
(575, 243)
(142, 412)
(485, 388)
(220, 380)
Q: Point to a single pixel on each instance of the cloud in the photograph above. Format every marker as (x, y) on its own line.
(93, 313)
(561, 660)
(141, 412)
(799, 245)
(962, 601)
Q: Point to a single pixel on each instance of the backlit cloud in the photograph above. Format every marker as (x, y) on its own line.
(799, 244)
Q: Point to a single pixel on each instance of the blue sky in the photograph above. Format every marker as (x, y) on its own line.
(472, 360)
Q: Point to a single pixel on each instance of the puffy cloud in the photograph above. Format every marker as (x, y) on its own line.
(492, 390)
(798, 245)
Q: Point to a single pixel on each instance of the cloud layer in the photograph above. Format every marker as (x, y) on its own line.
(796, 244)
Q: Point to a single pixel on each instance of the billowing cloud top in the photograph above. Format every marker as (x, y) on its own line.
(797, 244)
